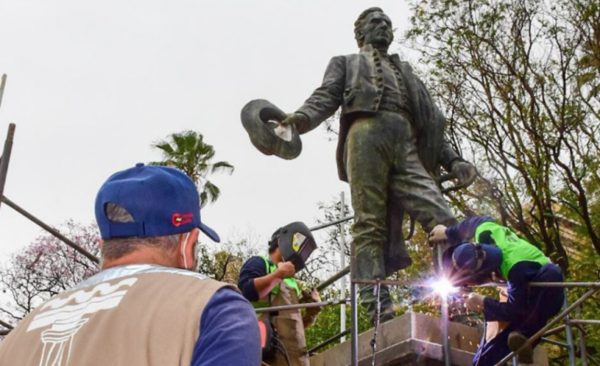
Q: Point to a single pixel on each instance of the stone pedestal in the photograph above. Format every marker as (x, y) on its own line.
(412, 339)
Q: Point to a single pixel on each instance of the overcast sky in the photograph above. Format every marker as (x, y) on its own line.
(92, 84)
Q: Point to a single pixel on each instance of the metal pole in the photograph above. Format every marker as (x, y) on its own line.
(6, 325)
(343, 265)
(445, 338)
(556, 343)
(542, 331)
(354, 304)
(566, 284)
(49, 229)
(582, 348)
(584, 321)
(328, 341)
(274, 309)
(2, 85)
(328, 224)
(569, 334)
(6, 154)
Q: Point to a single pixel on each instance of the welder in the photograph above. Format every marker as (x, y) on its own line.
(497, 253)
(268, 281)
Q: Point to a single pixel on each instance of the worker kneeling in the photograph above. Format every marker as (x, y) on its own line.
(498, 253)
(269, 281)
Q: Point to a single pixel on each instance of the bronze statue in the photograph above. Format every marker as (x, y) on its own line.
(390, 149)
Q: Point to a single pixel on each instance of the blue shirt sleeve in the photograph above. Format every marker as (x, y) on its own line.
(229, 333)
(253, 268)
(516, 307)
(465, 231)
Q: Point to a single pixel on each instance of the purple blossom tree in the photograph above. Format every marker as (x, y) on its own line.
(44, 268)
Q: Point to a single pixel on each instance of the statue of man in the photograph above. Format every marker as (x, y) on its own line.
(391, 145)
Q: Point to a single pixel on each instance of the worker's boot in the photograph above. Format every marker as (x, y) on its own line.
(515, 341)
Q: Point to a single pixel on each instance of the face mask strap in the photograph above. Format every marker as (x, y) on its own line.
(187, 236)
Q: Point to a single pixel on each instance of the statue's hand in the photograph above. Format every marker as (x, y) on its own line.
(438, 234)
(298, 119)
(464, 171)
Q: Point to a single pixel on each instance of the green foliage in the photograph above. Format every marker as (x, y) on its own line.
(520, 84)
(188, 152)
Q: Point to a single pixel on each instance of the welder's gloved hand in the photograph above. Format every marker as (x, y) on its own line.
(464, 171)
(310, 313)
(474, 301)
(438, 234)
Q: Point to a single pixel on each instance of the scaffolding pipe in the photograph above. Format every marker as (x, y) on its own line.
(584, 321)
(556, 343)
(445, 337)
(328, 341)
(10, 136)
(274, 309)
(569, 333)
(331, 223)
(580, 333)
(354, 305)
(2, 85)
(343, 263)
(51, 230)
(6, 325)
(542, 331)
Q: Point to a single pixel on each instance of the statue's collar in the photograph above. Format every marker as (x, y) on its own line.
(368, 49)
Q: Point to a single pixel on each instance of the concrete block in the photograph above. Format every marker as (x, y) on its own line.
(412, 339)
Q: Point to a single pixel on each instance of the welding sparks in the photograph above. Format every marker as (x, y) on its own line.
(443, 287)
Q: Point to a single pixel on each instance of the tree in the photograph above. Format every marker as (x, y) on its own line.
(44, 268)
(520, 84)
(188, 152)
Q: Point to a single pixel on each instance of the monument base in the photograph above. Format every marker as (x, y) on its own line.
(412, 339)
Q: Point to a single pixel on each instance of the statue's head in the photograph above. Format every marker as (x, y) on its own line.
(373, 27)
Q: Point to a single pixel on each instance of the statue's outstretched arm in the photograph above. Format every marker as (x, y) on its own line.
(327, 98)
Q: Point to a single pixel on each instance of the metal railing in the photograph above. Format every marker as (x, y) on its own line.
(541, 334)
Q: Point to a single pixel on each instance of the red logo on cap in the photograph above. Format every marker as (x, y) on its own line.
(179, 219)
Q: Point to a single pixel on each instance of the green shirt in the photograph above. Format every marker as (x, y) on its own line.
(290, 281)
(514, 249)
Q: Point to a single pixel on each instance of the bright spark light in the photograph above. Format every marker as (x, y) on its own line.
(443, 287)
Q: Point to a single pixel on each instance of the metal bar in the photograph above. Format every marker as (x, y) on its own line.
(331, 280)
(582, 349)
(329, 341)
(2, 85)
(354, 305)
(584, 321)
(569, 333)
(558, 318)
(445, 338)
(393, 283)
(274, 309)
(49, 229)
(6, 325)
(10, 136)
(556, 343)
(554, 331)
(565, 284)
(343, 263)
(331, 223)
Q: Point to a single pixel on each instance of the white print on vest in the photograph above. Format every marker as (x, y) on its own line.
(66, 320)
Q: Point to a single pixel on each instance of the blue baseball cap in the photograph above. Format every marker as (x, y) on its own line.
(477, 257)
(161, 200)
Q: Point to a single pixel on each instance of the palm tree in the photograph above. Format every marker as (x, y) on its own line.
(188, 152)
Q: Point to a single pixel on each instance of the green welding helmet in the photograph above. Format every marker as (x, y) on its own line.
(295, 242)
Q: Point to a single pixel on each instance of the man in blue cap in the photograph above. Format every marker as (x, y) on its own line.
(498, 252)
(147, 306)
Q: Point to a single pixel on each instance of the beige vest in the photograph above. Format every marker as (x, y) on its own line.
(290, 327)
(124, 316)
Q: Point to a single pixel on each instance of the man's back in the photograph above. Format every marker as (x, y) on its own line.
(138, 315)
